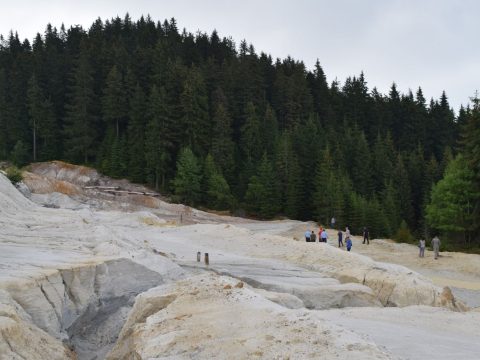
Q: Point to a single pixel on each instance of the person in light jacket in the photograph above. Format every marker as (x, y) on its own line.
(436, 246)
(421, 246)
(307, 236)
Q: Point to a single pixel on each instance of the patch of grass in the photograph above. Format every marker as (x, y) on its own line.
(14, 174)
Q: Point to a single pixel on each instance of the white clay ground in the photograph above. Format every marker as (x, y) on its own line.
(118, 278)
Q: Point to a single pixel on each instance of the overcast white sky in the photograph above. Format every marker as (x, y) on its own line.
(429, 43)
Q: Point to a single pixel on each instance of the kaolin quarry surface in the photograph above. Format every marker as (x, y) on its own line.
(117, 278)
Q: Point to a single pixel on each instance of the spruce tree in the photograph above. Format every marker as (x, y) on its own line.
(114, 101)
(324, 187)
(194, 110)
(251, 135)
(218, 195)
(136, 135)
(222, 148)
(187, 182)
(470, 139)
(4, 148)
(157, 142)
(262, 193)
(80, 120)
(453, 200)
(35, 109)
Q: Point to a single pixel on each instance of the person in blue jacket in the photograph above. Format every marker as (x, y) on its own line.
(307, 235)
(348, 243)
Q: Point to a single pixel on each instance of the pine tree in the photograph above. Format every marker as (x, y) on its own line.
(136, 135)
(381, 163)
(251, 135)
(269, 130)
(218, 195)
(361, 172)
(114, 101)
(157, 142)
(35, 109)
(80, 116)
(194, 108)
(4, 142)
(289, 175)
(470, 139)
(262, 193)
(187, 182)
(222, 148)
(404, 195)
(453, 201)
(324, 187)
(19, 154)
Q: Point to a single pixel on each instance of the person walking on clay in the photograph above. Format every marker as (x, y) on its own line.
(348, 242)
(421, 246)
(313, 237)
(347, 232)
(365, 236)
(340, 238)
(324, 236)
(436, 246)
(307, 236)
(332, 222)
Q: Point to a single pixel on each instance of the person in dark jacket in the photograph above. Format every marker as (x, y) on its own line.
(313, 237)
(365, 236)
(340, 238)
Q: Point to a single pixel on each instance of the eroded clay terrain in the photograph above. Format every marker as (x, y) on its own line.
(93, 274)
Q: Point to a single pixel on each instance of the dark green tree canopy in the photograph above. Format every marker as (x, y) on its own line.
(142, 100)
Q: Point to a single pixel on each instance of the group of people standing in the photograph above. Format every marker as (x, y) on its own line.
(310, 236)
(435, 247)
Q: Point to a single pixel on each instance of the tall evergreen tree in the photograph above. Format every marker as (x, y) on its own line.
(187, 182)
(218, 195)
(4, 148)
(157, 142)
(114, 100)
(80, 121)
(222, 148)
(136, 135)
(453, 201)
(251, 135)
(194, 107)
(262, 193)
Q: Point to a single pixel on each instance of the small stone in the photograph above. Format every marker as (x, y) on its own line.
(239, 285)
(228, 286)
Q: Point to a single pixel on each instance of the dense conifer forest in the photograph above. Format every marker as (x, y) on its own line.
(218, 124)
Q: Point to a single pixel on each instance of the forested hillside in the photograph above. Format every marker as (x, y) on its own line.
(220, 124)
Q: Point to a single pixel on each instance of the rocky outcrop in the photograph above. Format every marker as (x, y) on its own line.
(204, 318)
(85, 306)
(313, 289)
(21, 339)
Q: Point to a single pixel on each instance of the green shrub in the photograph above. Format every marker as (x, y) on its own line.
(14, 174)
(403, 234)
